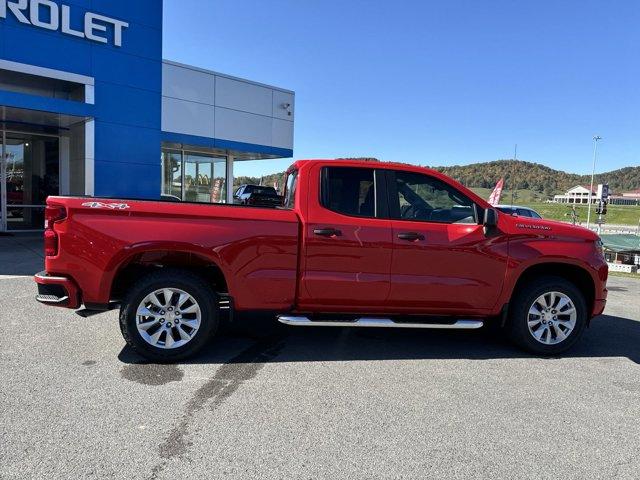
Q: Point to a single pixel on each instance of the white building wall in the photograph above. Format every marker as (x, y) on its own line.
(208, 104)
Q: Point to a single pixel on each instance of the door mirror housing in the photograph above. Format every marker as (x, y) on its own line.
(490, 218)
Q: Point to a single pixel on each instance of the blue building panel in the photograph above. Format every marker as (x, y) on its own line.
(32, 102)
(127, 180)
(117, 67)
(144, 12)
(125, 105)
(25, 44)
(86, 4)
(218, 143)
(2, 40)
(137, 39)
(128, 144)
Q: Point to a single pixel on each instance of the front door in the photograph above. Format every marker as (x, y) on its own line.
(442, 260)
(347, 243)
(30, 173)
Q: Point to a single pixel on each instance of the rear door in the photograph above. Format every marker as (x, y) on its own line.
(442, 260)
(347, 241)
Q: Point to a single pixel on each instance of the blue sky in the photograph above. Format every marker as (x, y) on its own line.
(433, 82)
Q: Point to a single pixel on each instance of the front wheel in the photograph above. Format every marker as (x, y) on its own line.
(547, 316)
(169, 315)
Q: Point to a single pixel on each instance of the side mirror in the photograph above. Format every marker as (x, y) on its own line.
(490, 218)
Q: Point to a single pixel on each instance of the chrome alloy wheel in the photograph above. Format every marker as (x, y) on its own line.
(552, 318)
(168, 318)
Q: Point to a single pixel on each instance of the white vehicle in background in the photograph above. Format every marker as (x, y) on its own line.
(519, 211)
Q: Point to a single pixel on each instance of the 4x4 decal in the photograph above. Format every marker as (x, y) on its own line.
(112, 206)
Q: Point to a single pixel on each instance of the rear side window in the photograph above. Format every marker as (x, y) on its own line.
(350, 191)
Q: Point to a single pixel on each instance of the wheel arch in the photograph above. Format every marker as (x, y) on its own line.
(144, 260)
(577, 275)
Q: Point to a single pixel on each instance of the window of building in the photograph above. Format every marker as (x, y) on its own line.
(41, 86)
(194, 177)
(172, 175)
(205, 178)
(424, 198)
(350, 191)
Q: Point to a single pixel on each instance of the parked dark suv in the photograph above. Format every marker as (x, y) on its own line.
(257, 195)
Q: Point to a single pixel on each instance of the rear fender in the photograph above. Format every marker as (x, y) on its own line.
(154, 253)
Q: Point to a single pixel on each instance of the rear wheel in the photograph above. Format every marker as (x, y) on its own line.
(547, 316)
(169, 315)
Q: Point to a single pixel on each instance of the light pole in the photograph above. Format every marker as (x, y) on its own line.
(593, 173)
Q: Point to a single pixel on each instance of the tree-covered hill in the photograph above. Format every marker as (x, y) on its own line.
(524, 175)
(537, 177)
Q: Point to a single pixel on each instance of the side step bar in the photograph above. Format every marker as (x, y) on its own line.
(377, 322)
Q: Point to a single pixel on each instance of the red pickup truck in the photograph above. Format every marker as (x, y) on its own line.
(358, 244)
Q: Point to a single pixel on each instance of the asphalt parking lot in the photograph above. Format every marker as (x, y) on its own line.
(311, 403)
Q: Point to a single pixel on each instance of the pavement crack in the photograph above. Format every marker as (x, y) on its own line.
(227, 379)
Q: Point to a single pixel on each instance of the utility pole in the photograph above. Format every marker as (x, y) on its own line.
(596, 138)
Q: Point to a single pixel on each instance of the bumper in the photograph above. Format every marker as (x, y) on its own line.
(57, 291)
(598, 307)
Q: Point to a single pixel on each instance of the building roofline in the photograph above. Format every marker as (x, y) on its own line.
(231, 77)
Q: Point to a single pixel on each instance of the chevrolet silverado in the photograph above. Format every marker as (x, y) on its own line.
(354, 244)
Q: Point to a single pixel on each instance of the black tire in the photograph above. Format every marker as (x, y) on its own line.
(169, 278)
(517, 325)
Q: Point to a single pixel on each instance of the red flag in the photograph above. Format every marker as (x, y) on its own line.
(494, 199)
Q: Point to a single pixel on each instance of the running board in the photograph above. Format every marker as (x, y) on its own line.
(377, 322)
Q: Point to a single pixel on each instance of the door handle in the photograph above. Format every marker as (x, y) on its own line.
(411, 236)
(327, 232)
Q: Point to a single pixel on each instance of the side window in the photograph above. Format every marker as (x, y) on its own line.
(290, 189)
(350, 191)
(424, 198)
(524, 213)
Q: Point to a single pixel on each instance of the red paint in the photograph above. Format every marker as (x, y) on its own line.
(271, 259)
(71, 288)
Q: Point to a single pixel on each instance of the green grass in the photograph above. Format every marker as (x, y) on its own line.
(625, 275)
(616, 214)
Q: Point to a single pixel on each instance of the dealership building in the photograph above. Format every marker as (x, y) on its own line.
(88, 106)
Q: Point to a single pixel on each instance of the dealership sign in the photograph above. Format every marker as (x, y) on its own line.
(51, 16)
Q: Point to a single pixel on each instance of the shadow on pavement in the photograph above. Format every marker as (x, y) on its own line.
(608, 336)
(21, 254)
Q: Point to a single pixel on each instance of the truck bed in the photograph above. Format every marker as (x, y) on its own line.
(256, 248)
